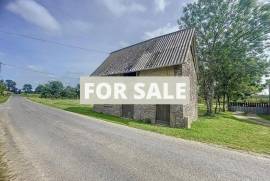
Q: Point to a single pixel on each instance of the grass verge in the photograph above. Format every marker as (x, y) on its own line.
(3, 99)
(222, 129)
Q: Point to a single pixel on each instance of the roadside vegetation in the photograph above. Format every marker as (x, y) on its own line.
(222, 129)
(3, 93)
(56, 89)
(6, 88)
(3, 98)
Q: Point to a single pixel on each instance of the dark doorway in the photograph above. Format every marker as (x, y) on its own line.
(128, 111)
(163, 114)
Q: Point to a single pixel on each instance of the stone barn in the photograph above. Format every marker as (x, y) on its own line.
(168, 55)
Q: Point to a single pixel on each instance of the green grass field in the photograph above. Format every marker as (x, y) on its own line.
(222, 129)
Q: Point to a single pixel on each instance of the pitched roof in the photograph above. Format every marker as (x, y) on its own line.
(167, 50)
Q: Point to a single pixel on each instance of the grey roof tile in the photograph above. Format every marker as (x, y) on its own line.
(162, 51)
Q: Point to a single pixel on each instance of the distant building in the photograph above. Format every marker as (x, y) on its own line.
(168, 55)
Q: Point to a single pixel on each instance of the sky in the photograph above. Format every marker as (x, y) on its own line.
(96, 27)
(75, 37)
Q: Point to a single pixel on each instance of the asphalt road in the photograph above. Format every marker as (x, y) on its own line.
(48, 144)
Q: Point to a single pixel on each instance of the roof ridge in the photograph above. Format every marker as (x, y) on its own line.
(151, 39)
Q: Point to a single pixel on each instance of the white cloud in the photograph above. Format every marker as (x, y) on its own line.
(120, 7)
(34, 13)
(160, 5)
(160, 31)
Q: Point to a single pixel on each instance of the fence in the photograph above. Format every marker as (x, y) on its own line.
(257, 108)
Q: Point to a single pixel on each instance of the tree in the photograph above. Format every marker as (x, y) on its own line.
(56, 88)
(27, 88)
(11, 85)
(52, 89)
(78, 91)
(231, 36)
(69, 92)
(2, 87)
(45, 92)
(39, 89)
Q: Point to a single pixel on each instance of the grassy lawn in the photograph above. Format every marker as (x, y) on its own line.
(264, 116)
(222, 129)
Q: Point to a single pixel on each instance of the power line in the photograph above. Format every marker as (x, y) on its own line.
(36, 71)
(53, 42)
(26, 68)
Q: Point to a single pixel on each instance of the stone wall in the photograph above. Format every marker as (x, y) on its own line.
(184, 115)
(176, 116)
(145, 112)
(190, 111)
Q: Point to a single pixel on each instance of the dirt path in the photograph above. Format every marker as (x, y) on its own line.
(252, 118)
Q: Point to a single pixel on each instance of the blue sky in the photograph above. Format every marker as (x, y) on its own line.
(104, 25)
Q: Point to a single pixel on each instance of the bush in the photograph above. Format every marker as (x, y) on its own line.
(147, 121)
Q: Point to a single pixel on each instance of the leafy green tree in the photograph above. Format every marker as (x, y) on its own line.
(56, 88)
(39, 89)
(45, 92)
(231, 36)
(78, 91)
(27, 88)
(69, 92)
(11, 85)
(52, 89)
(2, 87)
